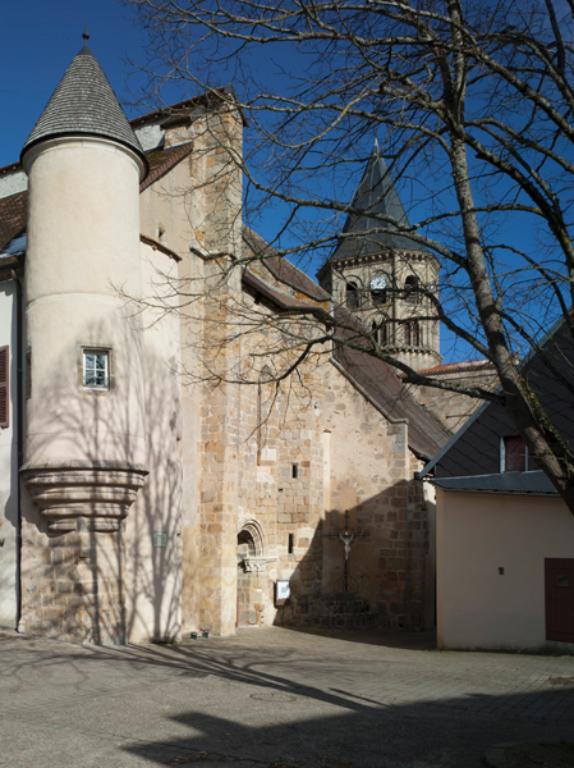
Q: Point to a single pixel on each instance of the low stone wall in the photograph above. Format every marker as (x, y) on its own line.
(335, 611)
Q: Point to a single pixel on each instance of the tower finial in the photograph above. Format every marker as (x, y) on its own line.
(85, 35)
(376, 144)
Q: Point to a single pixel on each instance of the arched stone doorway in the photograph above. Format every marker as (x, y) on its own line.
(251, 577)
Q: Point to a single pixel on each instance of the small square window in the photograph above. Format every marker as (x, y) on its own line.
(96, 368)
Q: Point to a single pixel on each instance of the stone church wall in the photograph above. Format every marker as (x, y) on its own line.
(247, 484)
(369, 488)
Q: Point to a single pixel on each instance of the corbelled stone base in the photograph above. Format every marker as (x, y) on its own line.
(101, 496)
(73, 579)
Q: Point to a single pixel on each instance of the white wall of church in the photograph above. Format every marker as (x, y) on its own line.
(8, 470)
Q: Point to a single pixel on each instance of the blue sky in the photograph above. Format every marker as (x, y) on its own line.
(40, 37)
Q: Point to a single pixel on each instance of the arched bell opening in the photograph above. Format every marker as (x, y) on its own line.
(353, 294)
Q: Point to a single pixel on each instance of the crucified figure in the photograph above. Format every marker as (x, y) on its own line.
(347, 539)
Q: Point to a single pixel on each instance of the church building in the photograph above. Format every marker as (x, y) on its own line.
(158, 478)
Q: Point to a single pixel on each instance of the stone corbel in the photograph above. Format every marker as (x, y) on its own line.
(100, 496)
(257, 563)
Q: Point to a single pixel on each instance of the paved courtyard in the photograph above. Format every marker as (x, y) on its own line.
(274, 698)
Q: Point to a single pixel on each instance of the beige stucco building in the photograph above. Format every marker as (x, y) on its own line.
(158, 494)
(504, 537)
(498, 557)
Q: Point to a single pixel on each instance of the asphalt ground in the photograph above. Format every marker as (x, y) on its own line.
(275, 698)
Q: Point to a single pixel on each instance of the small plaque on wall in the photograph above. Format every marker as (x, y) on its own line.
(282, 592)
(159, 540)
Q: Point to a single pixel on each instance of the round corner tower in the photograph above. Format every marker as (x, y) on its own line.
(84, 441)
(384, 277)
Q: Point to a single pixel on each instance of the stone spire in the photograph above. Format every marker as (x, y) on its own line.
(375, 196)
(84, 104)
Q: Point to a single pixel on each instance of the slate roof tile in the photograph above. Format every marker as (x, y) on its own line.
(280, 268)
(160, 161)
(12, 217)
(84, 103)
(379, 207)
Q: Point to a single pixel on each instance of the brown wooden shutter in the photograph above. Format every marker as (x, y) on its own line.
(4, 386)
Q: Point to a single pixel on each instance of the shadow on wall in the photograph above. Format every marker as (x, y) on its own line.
(96, 585)
(369, 566)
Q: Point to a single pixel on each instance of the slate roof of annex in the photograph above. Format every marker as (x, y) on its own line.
(12, 217)
(84, 103)
(535, 482)
(475, 449)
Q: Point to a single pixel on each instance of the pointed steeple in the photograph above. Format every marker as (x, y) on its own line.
(375, 196)
(84, 104)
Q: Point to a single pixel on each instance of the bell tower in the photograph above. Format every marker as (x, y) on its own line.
(384, 277)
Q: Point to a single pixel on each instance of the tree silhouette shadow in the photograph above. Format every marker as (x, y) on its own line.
(107, 586)
(286, 704)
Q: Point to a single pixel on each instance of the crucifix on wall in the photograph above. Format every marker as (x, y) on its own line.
(348, 537)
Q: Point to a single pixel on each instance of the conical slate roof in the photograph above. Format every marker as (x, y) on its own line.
(375, 196)
(84, 103)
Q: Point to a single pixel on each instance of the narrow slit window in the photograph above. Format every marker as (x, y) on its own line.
(96, 368)
(294, 471)
(290, 543)
(28, 373)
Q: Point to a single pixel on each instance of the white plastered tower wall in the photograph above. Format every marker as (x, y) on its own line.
(83, 253)
(85, 447)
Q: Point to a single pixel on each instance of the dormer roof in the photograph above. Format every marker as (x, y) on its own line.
(85, 104)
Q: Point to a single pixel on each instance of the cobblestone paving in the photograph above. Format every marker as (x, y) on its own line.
(275, 698)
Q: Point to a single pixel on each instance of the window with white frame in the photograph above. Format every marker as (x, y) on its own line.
(96, 368)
